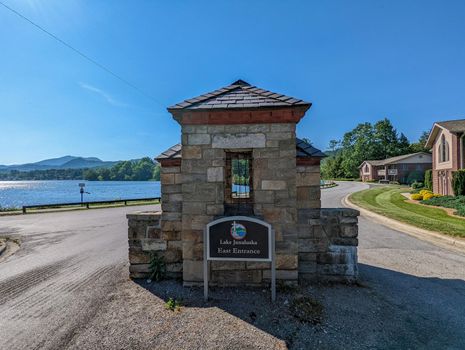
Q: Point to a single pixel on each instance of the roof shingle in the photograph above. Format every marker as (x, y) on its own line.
(239, 94)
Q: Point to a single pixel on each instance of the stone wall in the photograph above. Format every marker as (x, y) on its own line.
(274, 194)
(158, 232)
(328, 244)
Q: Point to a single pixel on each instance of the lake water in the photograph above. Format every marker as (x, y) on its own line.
(19, 193)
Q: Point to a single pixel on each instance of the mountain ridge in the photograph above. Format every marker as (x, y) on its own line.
(65, 162)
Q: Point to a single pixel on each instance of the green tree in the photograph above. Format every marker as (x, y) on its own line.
(420, 145)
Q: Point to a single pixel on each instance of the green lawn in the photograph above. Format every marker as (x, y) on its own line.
(389, 202)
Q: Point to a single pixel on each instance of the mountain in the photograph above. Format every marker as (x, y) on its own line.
(66, 162)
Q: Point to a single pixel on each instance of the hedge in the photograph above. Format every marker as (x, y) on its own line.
(458, 182)
(429, 179)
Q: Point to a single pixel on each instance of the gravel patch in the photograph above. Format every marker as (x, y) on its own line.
(312, 317)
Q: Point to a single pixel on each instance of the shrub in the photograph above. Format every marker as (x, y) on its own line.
(423, 192)
(415, 176)
(429, 195)
(417, 197)
(458, 182)
(417, 185)
(429, 179)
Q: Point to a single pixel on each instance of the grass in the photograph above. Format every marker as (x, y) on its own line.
(389, 202)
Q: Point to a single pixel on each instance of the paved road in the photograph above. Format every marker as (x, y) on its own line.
(66, 268)
(70, 263)
(426, 282)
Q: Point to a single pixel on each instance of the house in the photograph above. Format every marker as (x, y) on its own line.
(403, 169)
(239, 158)
(447, 142)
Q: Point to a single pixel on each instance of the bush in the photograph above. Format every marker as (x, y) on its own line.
(429, 195)
(417, 197)
(458, 182)
(417, 185)
(429, 179)
(457, 202)
(415, 176)
(423, 192)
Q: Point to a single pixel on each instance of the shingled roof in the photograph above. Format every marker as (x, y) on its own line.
(454, 126)
(303, 148)
(393, 160)
(239, 94)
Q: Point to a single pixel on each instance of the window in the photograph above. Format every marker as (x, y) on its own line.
(239, 183)
(443, 150)
(367, 169)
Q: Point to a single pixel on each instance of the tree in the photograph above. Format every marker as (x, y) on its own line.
(420, 145)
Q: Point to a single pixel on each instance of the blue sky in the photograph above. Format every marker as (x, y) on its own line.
(356, 61)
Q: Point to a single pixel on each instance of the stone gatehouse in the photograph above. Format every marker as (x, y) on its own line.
(239, 155)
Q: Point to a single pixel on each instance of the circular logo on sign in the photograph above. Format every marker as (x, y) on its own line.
(238, 231)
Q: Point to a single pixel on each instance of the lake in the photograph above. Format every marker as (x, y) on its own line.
(19, 193)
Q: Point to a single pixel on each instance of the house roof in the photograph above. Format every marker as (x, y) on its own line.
(239, 94)
(454, 126)
(303, 148)
(392, 160)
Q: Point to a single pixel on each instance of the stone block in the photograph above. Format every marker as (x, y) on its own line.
(198, 139)
(336, 269)
(307, 257)
(137, 256)
(171, 206)
(282, 127)
(273, 185)
(264, 196)
(172, 256)
(190, 208)
(192, 250)
(215, 174)
(286, 262)
(171, 235)
(151, 244)
(280, 136)
(174, 267)
(191, 152)
(308, 267)
(227, 265)
(192, 271)
(167, 179)
(170, 170)
(282, 274)
(192, 235)
(215, 209)
(194, 129)
(307, 179)
(349, 231)
(153, 232)
(239, 140)
(252, 265)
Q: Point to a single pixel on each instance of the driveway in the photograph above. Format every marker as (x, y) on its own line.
(67, 287)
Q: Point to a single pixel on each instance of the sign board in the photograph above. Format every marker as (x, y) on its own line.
(392, 171)
(244, 239)
(381, 172)
(239, 238)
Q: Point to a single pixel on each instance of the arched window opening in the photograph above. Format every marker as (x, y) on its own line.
(443, 150)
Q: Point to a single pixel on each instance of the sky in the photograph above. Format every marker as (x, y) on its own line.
(356, 61)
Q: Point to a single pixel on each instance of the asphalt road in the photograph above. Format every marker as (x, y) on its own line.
(71, 263)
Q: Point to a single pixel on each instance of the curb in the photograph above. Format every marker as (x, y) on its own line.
(422, 234)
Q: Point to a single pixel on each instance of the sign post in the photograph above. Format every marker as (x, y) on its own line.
(239, 238)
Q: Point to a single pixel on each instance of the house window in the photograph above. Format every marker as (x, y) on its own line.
(367, 169)
(239, 183)
(443, 150)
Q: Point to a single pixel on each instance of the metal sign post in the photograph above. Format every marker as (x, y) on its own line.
(239, 238)
(81, 190)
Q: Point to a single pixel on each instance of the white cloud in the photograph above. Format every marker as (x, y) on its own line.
(103, 94)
